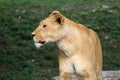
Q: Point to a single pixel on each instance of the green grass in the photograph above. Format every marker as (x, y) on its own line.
(20, 60)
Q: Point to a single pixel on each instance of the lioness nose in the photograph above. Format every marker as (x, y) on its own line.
(33, 34)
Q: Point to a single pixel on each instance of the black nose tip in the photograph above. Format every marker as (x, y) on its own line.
(33, 35)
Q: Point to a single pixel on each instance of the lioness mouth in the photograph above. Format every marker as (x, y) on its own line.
(41, 42)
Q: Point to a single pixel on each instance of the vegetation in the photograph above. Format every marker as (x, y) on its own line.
(20, 60)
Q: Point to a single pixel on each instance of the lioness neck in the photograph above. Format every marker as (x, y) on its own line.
(69, 43)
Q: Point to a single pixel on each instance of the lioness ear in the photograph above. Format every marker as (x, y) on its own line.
(59, 20)
(55, 12)
(57, 17)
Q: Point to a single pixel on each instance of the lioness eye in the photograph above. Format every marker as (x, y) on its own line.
(44, 26)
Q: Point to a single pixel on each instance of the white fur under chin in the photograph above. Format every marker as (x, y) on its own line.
(38, 45)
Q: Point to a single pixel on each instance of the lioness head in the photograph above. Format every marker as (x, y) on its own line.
(49, 29)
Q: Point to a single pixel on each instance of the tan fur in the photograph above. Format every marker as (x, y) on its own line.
(79, 47)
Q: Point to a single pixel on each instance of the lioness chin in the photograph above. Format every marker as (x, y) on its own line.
(80, 50)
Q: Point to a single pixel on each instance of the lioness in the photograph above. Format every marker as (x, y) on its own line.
(80, 50)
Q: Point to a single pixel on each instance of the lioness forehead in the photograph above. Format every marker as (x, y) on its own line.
(45, 21)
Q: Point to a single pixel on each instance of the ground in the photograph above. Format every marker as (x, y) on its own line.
(20, 60)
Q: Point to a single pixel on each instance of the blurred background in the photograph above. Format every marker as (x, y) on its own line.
(20, 60)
